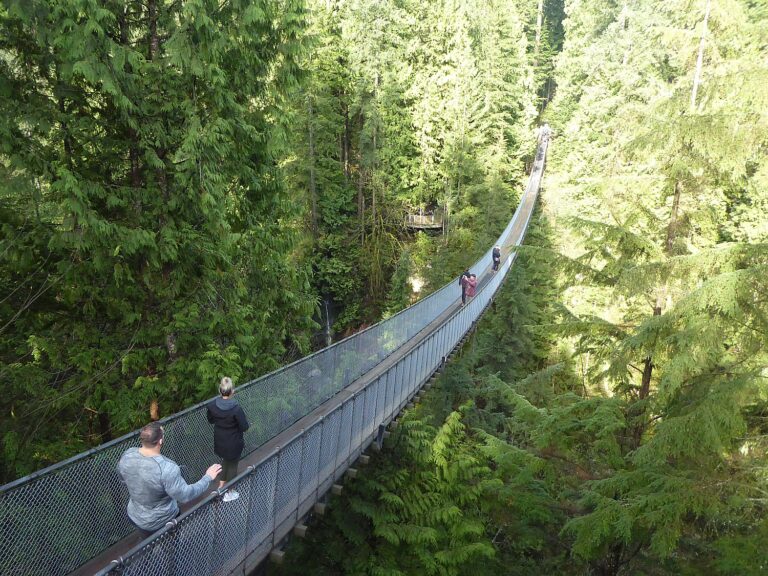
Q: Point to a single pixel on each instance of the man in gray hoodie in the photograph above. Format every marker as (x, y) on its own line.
(155, 483)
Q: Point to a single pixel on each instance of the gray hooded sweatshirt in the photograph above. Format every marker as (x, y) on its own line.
(155, 484)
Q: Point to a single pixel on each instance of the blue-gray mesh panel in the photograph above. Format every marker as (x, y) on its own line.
(404, 378)
(381, 398)
(358, 415)
(157, 558)
(230, 519)
(371, 392)
(331, 426)
(261, 494)
(342, 451)
(196, 541)
(390, 396)
(286, 500)
(311, 461)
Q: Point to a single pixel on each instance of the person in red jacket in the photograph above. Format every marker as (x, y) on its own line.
(229, 424)
(468, 286)
(472, 285)
(463, 283)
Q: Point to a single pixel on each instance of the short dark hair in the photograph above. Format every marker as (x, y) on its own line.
(151, 434)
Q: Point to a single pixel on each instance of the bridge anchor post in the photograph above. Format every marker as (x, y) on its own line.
(277, 556)
(379, 442)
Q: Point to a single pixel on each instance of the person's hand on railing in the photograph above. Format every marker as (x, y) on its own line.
(213, 471)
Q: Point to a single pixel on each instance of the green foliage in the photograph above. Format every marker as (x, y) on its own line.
(173, 172)
(622, 414)
(141, 212)
(671, 324)
(417, 512)
(742, 553)
(445, 498)
(408, 105)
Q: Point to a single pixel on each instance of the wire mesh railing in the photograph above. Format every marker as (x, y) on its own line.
(276, 493)
(75, 510)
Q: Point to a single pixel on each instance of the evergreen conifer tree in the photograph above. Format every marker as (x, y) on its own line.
(146, 250)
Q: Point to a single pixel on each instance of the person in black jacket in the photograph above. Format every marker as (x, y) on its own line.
(496, 256)
(229, 423)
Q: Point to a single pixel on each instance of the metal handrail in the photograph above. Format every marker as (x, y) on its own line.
(19, 496)
(162, 548)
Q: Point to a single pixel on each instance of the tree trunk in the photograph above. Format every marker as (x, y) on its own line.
(105, 429)
(539, 23)
(700, 58)
(67, 138)
(361, 203)
(610, 564)
(623, 26)
(373, 160)
(312, 183)
(672, 226)
(154, 42)
(645, 381)
(645, 390)
(360, 182)
(68, 148)
(133, 150)
(345, 143)
(447, 211)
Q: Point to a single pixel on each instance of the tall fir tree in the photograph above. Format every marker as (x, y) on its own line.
(145, 225)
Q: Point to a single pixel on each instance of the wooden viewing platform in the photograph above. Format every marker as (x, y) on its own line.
(432, 220)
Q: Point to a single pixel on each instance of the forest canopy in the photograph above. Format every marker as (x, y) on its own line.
(608, 417)
(196, 189)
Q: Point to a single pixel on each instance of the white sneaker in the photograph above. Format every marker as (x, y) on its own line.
(231, 496)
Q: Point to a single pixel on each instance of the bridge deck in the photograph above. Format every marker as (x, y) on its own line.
(125, 545)
(311, 420)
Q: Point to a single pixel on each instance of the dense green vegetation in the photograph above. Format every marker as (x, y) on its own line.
(187, 188)
(184, 186)
(455, 491)
(609, 415)
(147, 238)
(410, 105)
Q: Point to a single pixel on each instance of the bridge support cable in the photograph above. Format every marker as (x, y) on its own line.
(311, 419)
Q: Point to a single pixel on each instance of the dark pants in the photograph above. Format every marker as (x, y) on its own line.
(463, 295)
(496, 264)
(228, 469)
(144, 533)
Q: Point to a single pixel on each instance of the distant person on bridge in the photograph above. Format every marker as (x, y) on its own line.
(496, 255)
(544, 132)
(471, 286)
(155, 483)
(463, 283)
(229, 423)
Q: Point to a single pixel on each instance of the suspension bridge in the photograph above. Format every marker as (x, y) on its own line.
(310, 422)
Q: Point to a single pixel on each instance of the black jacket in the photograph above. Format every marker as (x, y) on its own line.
(229, 423)
(496, 254)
